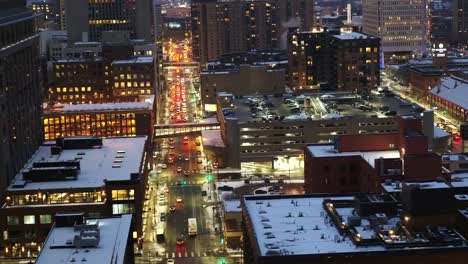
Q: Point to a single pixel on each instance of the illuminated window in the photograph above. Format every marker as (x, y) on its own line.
(116, 85)
(29, 220)
(129, 84)
(58, 89)
(368, 49)
(89, 88)
(45, 219)
(123, 209)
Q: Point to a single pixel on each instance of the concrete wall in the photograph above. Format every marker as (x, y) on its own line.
(248, 80)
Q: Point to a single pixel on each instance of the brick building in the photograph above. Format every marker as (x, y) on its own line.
(359, 163)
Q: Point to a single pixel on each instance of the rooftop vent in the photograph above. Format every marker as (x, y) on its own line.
(78, 142)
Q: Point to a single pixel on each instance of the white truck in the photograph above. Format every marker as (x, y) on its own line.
(192, 227)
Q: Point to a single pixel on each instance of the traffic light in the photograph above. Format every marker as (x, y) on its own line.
(209, 177)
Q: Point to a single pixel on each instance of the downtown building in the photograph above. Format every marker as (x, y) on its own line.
(417, 223)
(220, 27)
(124, 119)
(113, 71)
(460, 22)
(274, 129)
(333, 61)
(361, 163)
(89, 175)
(87, 19)
(20, 89)
(400, 25)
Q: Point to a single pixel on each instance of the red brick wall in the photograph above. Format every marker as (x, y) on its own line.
(367, 142)
(422, 167)
(338, 175)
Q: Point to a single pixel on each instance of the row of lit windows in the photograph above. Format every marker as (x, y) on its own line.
(54, 198)
(107, 21)
(135, 92)
(129, 84)
(29, 219)
(73, 89)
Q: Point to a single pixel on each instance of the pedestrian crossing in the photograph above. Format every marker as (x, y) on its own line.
(175, 183)
(189, 254)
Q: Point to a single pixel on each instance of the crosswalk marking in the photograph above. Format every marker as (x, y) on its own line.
(186, 254)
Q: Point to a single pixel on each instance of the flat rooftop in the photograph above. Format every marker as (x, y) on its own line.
(96, 164)
(138, 59)
(315, 225)
(328, 150)
(394, 187)
(232, 206)
(353, 35)
(146, 103)
(112, 245)
(459, 179)
(312, 106)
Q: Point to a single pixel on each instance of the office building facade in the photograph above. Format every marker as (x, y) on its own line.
(20, 90)
(220, 27)
(460, 22)
(336, 61)
(401, 26)
(87, 19)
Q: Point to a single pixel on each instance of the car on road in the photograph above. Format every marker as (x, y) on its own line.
(165, 189)
(164, 166)
(170, 261)
(179, 169)
(186, 158)
(172, 208)
(180, 241)
(179, 199)
(171, 140)
(186, 173)
(162, 218)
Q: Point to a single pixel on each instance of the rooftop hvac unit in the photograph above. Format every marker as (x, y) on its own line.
(79, 142)
(46, 174)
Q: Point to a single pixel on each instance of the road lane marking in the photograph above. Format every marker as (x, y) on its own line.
(173, 254)
(204, 254)
(180, 254)
(167, 255)
(193, 254)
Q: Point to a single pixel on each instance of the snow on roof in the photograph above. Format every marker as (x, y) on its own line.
(452, 89)
(275, 231)
(96, 164)
(328, 150)
(440, 133)
(232, 206)
(397, 187)
(353, 35)
(111, 248)
(138, 59)
(108, 106)
(455, 157)
(460, 179)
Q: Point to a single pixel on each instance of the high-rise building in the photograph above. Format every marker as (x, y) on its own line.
(89, 18)
(20, 89)
(333, 60)
(400, 24)
(460, 21)
(220, 27)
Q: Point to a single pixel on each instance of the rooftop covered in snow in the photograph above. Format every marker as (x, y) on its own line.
(113, 233)
(329, 225)
(115, 160)
(328, 150)
(452, 89)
